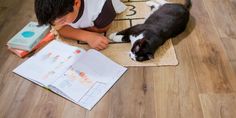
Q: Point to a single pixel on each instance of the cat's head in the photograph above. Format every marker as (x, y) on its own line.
(141, 50)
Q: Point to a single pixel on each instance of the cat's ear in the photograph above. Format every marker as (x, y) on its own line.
(143, 42)
(139, 44)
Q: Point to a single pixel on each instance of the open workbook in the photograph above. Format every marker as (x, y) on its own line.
(78, 75)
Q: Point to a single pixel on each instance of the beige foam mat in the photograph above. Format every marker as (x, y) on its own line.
(136, 13)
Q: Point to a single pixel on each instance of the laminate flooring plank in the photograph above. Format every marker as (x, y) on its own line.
(219, 105)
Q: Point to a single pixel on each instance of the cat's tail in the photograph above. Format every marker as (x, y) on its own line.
(188, 4)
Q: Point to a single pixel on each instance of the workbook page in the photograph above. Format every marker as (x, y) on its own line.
(87, 80)
(49, 63)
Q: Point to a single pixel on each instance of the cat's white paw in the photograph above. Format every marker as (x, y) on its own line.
(112, 35)
(132, 56)
(115, 38)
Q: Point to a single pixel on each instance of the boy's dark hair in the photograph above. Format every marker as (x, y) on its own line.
(49, 10)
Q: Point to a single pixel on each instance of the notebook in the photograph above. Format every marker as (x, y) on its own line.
(72, 72)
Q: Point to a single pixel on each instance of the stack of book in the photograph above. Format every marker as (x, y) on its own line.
(30, 38)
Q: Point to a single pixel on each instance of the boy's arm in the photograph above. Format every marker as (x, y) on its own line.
(94, 40)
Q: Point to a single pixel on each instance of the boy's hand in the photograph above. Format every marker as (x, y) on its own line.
(59, 23)
(98, 42)
(95, 40)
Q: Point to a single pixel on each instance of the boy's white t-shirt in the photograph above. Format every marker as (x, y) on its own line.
(92, 8)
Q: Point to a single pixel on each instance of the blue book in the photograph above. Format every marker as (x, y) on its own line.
(28, 37)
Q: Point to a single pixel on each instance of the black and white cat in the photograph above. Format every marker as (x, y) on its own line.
(168, 20)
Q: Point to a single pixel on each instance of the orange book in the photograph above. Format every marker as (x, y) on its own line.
(23, 53)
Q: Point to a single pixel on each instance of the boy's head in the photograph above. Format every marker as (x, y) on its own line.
(63, 11)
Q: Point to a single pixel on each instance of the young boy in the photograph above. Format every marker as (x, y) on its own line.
(80, 19)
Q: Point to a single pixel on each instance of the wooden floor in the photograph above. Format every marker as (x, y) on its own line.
(203, 85)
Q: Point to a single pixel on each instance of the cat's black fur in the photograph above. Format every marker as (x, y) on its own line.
(166, 22)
